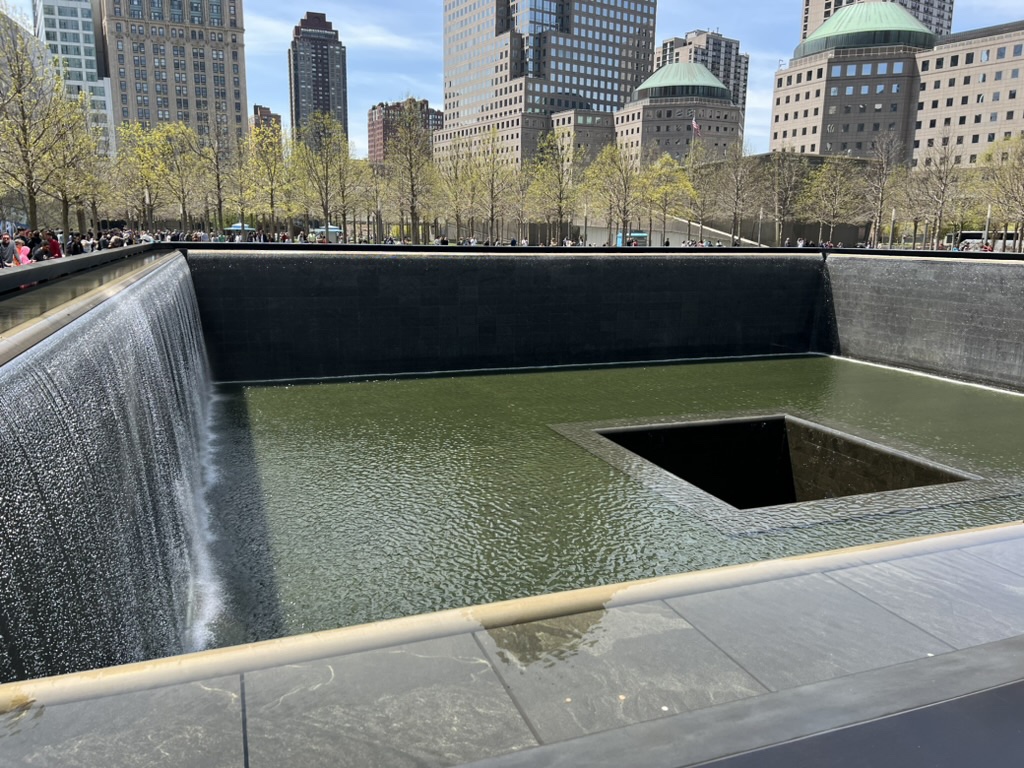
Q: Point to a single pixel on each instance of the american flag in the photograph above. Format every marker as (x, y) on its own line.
(696, 128)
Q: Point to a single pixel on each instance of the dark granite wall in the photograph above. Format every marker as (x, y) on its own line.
(292, 315)
(960, 319)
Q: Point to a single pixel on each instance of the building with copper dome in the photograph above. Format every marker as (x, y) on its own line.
(676, 105)
(873, 73)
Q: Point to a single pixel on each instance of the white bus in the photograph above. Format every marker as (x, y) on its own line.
(974, 240)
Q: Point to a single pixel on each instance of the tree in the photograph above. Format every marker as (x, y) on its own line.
(699, 166)
(495, 180)
(240, 187)
(35, 116)
(1003, 169)
(266, 154)
(319, 153)
(555, 170)
(668, 190)
(879, 176)
(137, 182)
(940, 181)
(737, 187)
(171, 152)
(76, 152)
(783, 178)
(834, 194)
(617, 181)
(409, 164)
(352, 187)
(456, 180)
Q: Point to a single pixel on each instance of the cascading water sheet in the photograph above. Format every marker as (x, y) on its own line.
(103, 449)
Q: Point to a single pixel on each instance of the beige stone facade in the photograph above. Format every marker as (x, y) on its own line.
(970, 94)
(956, 98)
(842, 102)
(177, 62)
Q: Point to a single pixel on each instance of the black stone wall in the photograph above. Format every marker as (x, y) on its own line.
(282, 314)
(960, 319)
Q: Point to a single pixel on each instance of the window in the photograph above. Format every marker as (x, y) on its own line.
(1001, 52)
(969, 58)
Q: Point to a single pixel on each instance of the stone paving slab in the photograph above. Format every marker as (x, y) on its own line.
(196, 724)
(958, 598)
(588, 672)
(800, 630)
(789, 716)
(431, 703)
(1006, 554)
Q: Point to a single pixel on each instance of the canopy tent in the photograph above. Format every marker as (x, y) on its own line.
(237, 226)
(330, 228)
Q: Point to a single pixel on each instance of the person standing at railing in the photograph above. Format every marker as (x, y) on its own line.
(6, 251)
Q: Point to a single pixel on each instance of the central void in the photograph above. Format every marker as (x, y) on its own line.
(345, 503)
(776, 460)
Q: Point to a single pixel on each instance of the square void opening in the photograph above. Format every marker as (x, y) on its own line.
(764, 462)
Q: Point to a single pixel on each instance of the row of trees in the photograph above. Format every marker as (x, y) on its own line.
(168, 175)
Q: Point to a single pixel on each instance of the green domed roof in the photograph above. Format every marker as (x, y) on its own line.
(867, 25)
(682, 79)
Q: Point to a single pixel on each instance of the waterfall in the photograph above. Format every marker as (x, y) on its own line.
(104, 555)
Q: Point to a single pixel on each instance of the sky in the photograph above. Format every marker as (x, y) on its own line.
(394, 48)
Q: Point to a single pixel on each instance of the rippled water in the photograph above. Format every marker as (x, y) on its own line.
(351, 502)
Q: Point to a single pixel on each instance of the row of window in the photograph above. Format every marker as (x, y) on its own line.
(985, 56)
(979, 98)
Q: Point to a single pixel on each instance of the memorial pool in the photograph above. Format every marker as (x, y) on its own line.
(350, 502)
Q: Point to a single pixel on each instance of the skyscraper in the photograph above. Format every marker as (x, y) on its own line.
(720, 54)
(172, 61)
(509, 65)
(937, 15)
(317, 74)
(69, 31)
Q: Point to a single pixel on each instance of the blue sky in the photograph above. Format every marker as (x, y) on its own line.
(394, 47)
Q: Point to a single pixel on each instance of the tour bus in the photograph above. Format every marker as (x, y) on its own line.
(974, 240)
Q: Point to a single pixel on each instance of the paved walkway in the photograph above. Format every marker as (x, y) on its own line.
(671, 672)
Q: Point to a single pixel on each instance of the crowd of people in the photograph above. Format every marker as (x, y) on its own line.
(27, 246)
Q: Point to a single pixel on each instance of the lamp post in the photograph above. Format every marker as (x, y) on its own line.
(760, 218)
(892, 227)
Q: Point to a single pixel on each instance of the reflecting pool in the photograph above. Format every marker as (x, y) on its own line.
(348, 502)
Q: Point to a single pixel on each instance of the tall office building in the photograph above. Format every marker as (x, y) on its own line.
(509, 65)
(937, 15)
(382, 122)
(317, 74)
(68, 29)
(721, 55)
(172, 61)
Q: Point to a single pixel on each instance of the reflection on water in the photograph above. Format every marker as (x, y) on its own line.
(547, 642)
(30, 303)
(397, 497)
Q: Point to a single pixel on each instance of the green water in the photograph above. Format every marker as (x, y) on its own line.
(369, 500)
